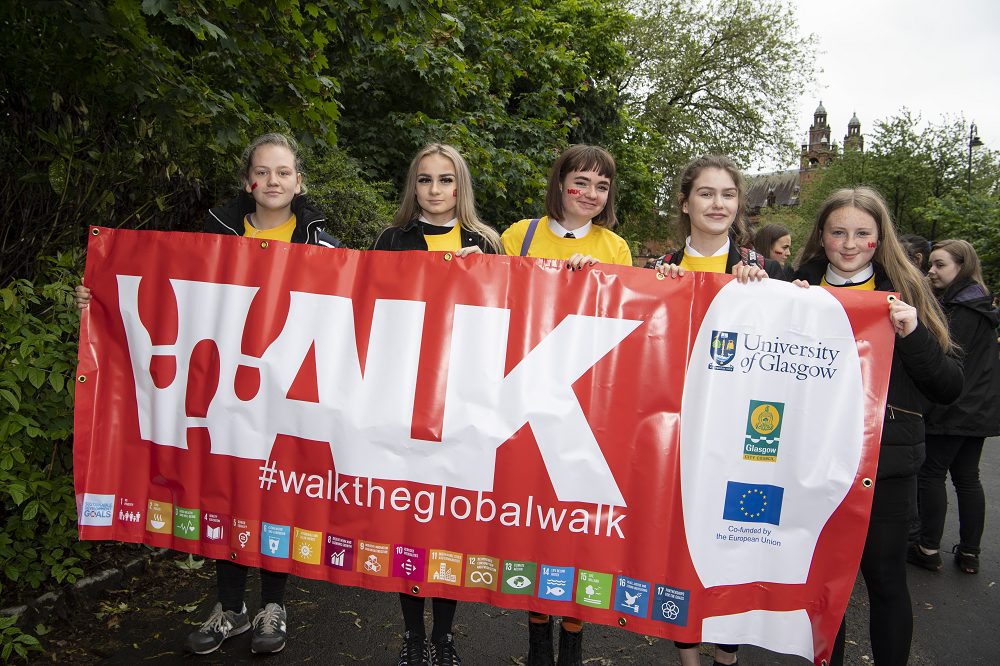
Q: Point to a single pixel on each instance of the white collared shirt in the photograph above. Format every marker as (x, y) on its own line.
(691, 252)
(561, 231)
(835, 280)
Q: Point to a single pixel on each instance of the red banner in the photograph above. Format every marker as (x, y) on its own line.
(688, 458)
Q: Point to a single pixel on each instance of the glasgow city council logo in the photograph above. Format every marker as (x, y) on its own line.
(722, 350)
(763, 430)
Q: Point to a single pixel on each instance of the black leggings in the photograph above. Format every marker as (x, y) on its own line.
(413, 616)
(883, 565)
(960, 456)
(232, 582)
(728, 649)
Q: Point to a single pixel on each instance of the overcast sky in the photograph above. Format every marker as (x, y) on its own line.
(933, 57)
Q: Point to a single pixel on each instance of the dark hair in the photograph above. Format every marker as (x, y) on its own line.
(963, 254)
(767, 236)
(738, 231)
(270, 139)
(914, 245)
(582, 157)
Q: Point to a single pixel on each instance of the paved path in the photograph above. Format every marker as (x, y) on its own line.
(956, 617)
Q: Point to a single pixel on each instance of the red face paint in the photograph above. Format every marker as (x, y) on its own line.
(253, 187)
(572, 191)
(454, 193)
(872, 244)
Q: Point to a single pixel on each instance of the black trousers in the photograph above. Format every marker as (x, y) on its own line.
(413, 616)
(231, 579)
(883, 564)
(960, 456)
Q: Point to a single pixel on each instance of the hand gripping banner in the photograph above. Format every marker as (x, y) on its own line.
(689, 458)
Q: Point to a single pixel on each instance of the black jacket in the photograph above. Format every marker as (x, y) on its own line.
(227, 219)
(972, 320)
(411, 237)
(772, 267)
(920, 370)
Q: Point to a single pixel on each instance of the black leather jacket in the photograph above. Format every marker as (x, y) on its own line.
(411, 237)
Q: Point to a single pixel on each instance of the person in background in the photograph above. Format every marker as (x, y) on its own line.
(956, 432)
(853, 245)
(580, 207)
(918, 249)
(270, 206)
(774, 241)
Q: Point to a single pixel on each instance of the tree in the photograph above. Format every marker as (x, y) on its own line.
(721, 77)
(975, 218)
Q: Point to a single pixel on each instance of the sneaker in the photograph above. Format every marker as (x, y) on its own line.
(219, 626)
(268, 630)
(968, 563)
(443, 652)
(414, 652)
(914, 555)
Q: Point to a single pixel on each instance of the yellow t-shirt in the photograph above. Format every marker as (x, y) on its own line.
(600, 243)
(282, 233)
(446, 242)
(705, 264)
(867, 285)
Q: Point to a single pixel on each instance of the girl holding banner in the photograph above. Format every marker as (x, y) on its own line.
(853, 245)
(270, 207)
(437, 213)
(580, 207)
(955, 433)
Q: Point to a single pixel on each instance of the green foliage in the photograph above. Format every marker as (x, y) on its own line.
(15, 641)
(718, 77)
(356, 210)
(38, 537)
(910, 166)
(974, 218)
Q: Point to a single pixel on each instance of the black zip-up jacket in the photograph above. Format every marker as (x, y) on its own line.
(920, 369)
(227, 220)
(411, 237)
(771, 267)
(972, 320)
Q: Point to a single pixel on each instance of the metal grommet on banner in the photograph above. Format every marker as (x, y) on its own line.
(890, 298)
(867, 483)
(95, 231)
(622, 622)
(263, 245)
(823, 662)
(415, 589)
(82, 378)
(659, 276)
(447, 256)
(232, 556)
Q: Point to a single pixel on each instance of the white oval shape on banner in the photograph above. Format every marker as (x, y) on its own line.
(772, 426)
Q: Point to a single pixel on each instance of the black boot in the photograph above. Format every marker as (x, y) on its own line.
(570, 647)
(540, 644)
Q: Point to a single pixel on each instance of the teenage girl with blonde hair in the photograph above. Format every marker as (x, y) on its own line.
(853, 245)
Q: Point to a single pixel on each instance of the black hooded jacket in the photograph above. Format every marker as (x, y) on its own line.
(920, 371)
(227, 219)
(972, 321)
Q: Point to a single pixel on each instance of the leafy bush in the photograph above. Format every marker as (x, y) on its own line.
(38, 536)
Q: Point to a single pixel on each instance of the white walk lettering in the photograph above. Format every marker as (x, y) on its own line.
(367, 418)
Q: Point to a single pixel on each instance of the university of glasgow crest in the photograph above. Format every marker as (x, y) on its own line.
(722, 350)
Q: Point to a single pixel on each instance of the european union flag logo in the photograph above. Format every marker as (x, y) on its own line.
(753, 503)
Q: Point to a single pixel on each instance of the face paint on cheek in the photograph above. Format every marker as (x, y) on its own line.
(253, 187)
(454, 193)
(572, 191)
(872, 245)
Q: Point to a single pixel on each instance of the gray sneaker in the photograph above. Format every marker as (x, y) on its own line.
(268, 630)
(219, 626)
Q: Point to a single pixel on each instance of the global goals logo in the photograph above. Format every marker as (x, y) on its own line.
(97, 510)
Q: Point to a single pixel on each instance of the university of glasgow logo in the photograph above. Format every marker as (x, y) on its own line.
(722, 350)
(763, 430)
(753, 503)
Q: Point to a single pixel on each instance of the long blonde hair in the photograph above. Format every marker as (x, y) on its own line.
(889, 254)
(465, 205)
